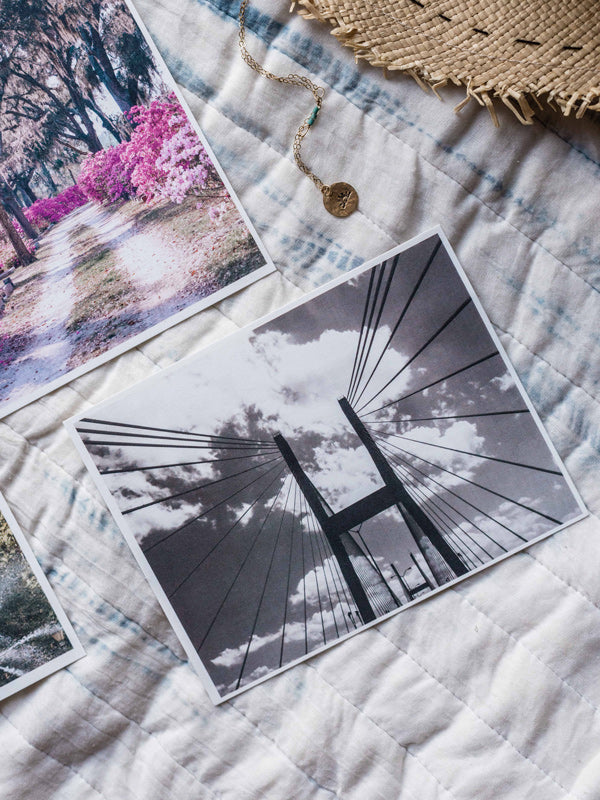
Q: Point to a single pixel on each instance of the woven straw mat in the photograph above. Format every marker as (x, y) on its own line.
(524, 53)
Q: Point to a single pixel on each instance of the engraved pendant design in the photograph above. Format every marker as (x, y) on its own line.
(340, 199)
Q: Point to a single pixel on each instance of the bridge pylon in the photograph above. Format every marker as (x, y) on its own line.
(443, 562)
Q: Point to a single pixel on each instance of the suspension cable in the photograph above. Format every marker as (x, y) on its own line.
(265, 584)
(379, 272)
(289, 573)
(168, 430)
(242, 565)
(362, 328)
(434, 383)
(407, 305)
(432, 338)
(212, 508)
(478, 455)
(397, 458)
(375, 329)
(409, 420)
(225, 535)
(478, 485)
(148, 468)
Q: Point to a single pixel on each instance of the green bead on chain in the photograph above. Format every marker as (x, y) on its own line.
(313, 117)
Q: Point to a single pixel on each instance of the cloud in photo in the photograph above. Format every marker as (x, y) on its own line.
(248, 555)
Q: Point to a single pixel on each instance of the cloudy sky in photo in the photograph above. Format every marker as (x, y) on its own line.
(242, 560)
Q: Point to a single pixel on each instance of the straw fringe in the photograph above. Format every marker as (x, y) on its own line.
(397, 47)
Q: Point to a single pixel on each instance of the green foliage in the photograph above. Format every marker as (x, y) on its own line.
(24, 606)
(7, 541)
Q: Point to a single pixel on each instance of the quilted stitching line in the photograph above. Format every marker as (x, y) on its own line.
(519, 643)
(69, 386)
(151, 735)
(548, 363)
(267, 696)
(324, 246)
(80, 489)
(569, 143)
(159, 647)
(53, 758)
(437, 169)
(283, 154)
(111, 738)
(91, 499)
(125, 658)
(165, 712)
(309, 778)
(98, 604)
(563, 580)
(156, 651)
(475, 714)
(534, 242)
(406, 749)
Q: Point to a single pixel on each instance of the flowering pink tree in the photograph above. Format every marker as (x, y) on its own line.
(165, 153)
(52, 209)
(153, 126)
(105, 177)
(164, 159)
(184, 162)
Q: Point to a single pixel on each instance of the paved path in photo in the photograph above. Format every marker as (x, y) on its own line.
(103, 275)
(51, 346)
(35, 345)
(152, 263)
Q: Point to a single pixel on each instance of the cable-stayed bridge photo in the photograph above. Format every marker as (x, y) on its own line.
(341, 460)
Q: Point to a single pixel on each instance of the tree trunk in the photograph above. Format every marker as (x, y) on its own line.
(105, 121)
(102, 66)
(27, 190)
(15, 210)
(11, 203)
(23, 196)
(77, 98)
(23, 254)
(92, 140)
(48, 177)
(79, 101)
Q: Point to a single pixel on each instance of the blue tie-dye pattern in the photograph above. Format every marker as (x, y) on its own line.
(362, 93)
(139, 692)
(390, 112)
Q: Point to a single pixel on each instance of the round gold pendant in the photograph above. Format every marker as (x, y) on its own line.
(340, 199)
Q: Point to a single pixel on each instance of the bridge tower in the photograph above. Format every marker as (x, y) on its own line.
(444, 563)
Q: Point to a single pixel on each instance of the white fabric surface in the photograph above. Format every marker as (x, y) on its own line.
(488, 691)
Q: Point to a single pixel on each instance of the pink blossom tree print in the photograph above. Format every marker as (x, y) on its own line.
(114, 220)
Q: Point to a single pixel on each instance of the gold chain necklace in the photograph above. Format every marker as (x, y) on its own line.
(340, 199)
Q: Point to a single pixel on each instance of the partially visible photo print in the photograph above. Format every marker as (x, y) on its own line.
(36, 639)
(116, 221)
(333, 464)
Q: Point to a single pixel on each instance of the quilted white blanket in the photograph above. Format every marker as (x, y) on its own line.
(489, 691)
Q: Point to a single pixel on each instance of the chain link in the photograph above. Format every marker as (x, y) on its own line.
(293, 80)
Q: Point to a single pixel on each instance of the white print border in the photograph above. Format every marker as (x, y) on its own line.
(9, 406)
(243, 333)
(76, 652)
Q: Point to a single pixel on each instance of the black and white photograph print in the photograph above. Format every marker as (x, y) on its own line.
(116, 221)
(327, 467)
(36, 639)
